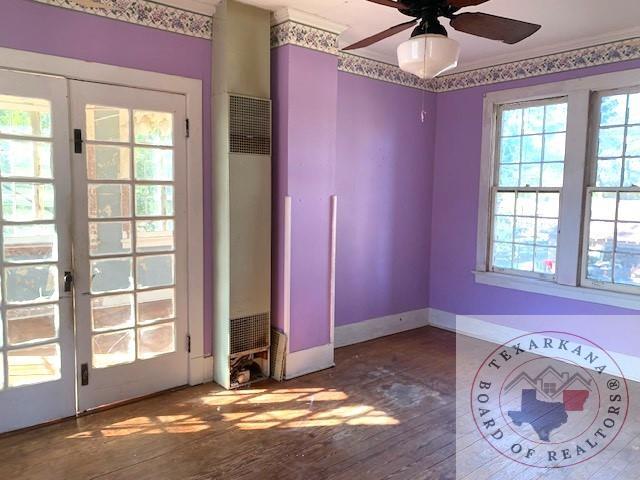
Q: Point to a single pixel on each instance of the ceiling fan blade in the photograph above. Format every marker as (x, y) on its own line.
(493, 27)
(381, 36)
(466, 3)
(393, 4)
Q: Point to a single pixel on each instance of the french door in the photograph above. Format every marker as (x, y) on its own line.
(129, 242)
(37, 366)
(93, 246)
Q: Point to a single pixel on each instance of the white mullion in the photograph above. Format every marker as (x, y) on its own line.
(3, 308)
(132, 219)
(570, 219)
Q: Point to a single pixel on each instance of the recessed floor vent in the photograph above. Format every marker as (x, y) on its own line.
(250, 334)
(249, 125)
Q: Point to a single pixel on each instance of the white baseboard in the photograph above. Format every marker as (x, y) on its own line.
(498, 334)
(308, 361)
(380, 327)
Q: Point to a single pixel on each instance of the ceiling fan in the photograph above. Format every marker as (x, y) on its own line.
(432, 35)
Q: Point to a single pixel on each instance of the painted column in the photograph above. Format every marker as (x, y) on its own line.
(305, 94)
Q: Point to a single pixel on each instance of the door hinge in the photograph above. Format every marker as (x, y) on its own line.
(77, 140)
(188, 343)
(84, 374)
(188, 132)
(68, 281)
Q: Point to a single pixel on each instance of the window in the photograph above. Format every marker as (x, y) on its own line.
(526, 199)
(612, 256)
(559, 209)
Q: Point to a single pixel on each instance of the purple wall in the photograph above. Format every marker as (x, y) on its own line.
(384, 181)
(305, 108)
(35, 27)
(454, 217)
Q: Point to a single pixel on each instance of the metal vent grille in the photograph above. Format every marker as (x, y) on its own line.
(249, 334)
(250, 125)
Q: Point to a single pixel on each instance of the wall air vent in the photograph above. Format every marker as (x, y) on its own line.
(250, 334)
(249, 125)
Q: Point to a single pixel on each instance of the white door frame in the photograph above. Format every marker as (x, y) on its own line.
(200, 368)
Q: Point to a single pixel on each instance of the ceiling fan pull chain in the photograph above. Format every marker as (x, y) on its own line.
(423, 112)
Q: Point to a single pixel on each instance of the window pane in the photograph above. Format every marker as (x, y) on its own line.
(546, 232)
(32, 324)
(628, 238)
(153, 164)
(156, 340)
(109, 201)
(25, 116)
(532, 149)
(502, 255)
(503, 229)
(526, 204)
(31, 284)
(632, 172)
(556, 118)
(155, 271)
(111, 275)
(511, 122)
(525, 230)
(634, 108)
(629, 207)
(107, 124)
(530, 174)
(509, 175)
(599, 266)
(113, 348)
(633, 142)
(154, 305)
(24, 202)
(30, 243)
(505, 203)
(154, 200)
(154, 236)
(603, 205)
(613, 110)
(27, 366)
(107, 162)
(112, 312)
(609, 173)
(523, 258)
(601, 236)
(627, 269)
(510, 150)
(545, 260)
(25, 158)
(611, 142)
(554, 147)
(109, 238)
(153, 128)
(533, 119)
(552, 175)
(548, 205)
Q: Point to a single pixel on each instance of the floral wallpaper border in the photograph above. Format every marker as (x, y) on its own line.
(310, 37)
(146, 13)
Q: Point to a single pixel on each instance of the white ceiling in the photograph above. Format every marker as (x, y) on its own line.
(566, 24)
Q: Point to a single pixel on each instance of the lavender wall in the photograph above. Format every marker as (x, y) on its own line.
(384, 181)
(454, 218)
(26, 25)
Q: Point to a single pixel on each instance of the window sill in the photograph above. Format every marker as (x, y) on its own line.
(534, 285)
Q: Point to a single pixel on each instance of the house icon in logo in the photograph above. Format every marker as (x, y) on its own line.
(550, 383)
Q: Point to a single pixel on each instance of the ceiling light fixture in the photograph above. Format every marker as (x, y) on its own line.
(428, 55)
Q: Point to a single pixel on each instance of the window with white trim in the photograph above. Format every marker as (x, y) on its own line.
(559, 207)
(612, 239)
(530, 151)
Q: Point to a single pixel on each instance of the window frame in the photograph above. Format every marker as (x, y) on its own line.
(568, 281)
(590, 186)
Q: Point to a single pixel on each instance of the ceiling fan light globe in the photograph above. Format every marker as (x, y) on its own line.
(427, 56)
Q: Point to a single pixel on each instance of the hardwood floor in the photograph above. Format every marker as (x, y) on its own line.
(387, 410)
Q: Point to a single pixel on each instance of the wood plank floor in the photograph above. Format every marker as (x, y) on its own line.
(387, 410)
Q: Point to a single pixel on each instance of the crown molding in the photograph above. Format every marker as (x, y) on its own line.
(303, 18)
(176, 18)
